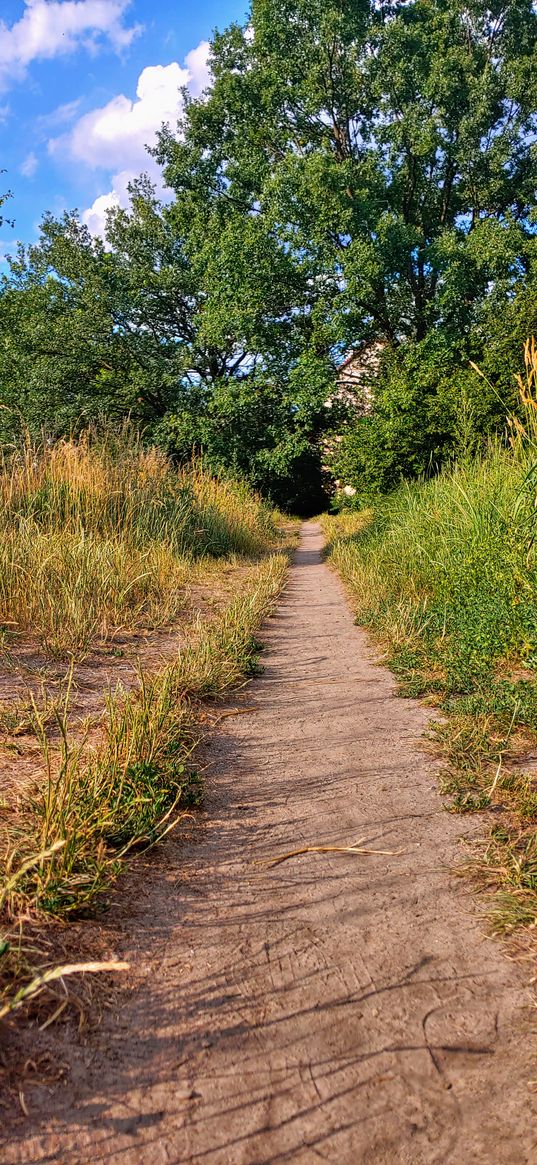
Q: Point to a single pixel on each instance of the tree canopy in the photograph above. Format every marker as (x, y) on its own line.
(356, 171)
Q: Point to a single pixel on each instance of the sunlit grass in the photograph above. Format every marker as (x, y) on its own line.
(101, 534)
(95, 803)
(444, 573)
(98, 536)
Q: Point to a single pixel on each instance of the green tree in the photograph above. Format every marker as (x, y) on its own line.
(387, 151)
(93, 328)
(163, 321)
(356, 171)
(388, 148)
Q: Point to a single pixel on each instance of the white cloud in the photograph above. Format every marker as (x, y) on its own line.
(95, 216)
(8, 248)
(197, 63)
(115, 137)
(52, 28)
(59, 116)
(116, 134)
(29, 166)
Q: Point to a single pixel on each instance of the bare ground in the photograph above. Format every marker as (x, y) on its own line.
(26, 671)
(336, 1007)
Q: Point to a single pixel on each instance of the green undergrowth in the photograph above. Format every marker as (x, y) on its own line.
(445, 576)
(97, 802)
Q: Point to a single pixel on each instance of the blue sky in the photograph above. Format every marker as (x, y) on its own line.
(84, 84)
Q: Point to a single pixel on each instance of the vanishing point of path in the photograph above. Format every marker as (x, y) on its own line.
(334, 1008)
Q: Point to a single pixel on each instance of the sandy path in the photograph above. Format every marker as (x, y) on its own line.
(334, 1008)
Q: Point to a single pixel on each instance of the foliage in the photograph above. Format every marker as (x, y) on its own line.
(89, 333)
(355, 171)
(431, 406)
(388, 149)
(430, 409)
(254, 430)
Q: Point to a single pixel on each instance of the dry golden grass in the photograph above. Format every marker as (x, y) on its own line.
(97, 536)
(101, 534)
(67, 844)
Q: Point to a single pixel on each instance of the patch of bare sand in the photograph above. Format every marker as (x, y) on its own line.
(26, 671)
(334, 1008)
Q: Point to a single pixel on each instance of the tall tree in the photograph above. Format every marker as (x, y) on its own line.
(357, 170)
(187, 323)
(388, 148)
(133, 323)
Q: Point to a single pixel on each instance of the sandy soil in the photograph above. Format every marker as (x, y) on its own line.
(334, 1008)
(26, 671)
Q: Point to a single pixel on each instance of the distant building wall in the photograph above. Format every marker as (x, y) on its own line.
(357, 374)
(355, 382)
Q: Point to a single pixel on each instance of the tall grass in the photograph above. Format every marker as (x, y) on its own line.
(72, 837)
(98, 535)
(445, 572)
(96, 802)
(101, 533)
(445, 575)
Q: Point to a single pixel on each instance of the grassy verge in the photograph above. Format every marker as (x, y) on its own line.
(95, 804)
(445, 576)
(104, 534)
(100, 538)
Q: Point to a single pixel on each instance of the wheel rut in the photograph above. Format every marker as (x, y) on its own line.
(338, 1007)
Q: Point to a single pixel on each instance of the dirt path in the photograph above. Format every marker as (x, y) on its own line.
(334, 1008)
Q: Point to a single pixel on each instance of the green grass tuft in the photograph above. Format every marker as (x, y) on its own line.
(444, 574)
